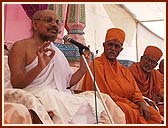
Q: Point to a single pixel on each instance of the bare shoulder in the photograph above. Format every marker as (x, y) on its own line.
(23, 51)
(21, 45)
(18, 51)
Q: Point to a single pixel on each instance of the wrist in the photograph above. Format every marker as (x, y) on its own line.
(40, 67)
(139, 103)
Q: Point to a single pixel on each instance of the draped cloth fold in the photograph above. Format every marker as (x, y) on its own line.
(151, 85)
(49, 87)
(19, 96)
(56, 74)
(16, 113)
(118, 82)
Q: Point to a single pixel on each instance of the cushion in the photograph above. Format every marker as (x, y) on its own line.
(126, 63)
(6, 73)
(70, 51)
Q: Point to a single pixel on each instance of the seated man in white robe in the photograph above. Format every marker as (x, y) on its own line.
(39, 67)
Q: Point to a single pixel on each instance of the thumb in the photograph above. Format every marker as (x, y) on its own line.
(141, 112)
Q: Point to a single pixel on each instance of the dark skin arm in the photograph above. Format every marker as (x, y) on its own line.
(144, 110)
(81, 71)
(17, 61)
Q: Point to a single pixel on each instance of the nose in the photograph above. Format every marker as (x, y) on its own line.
(53, 23)
(113, 47)
(151, 63)
(56, 26)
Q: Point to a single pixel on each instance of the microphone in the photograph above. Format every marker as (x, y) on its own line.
(79, 45)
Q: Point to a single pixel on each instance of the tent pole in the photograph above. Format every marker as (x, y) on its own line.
(137, 41)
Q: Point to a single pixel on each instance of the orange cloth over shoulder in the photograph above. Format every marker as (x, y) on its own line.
(162, 84)
(151, 85)
(148, 85)
(118, 82)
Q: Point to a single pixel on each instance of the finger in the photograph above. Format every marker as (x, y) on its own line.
(87, 53)
(51, 50)
(141, 112)
(52, 54)
(147, 115)
(48, 49)
(44, 45)
(38, 51)
(86, 50)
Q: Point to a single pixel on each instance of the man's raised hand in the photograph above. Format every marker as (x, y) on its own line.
(44, 54)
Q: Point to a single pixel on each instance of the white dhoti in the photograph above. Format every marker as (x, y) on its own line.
(50, 88)
(68, 108)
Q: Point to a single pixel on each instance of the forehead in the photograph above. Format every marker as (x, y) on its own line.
(149, 57)
(114, 41)
(46, 13)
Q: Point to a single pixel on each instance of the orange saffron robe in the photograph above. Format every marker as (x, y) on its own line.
(118, 82)
(161, 77)
(150, 85)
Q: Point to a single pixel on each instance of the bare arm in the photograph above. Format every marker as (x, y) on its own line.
(81, 71)
(144, 110)
(17, 62)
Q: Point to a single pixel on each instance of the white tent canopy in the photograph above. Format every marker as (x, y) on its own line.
(150, 14)
(147, 11)
(100, 17)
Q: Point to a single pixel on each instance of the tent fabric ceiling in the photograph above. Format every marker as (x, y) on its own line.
(148, 11)
(105, 15)
(150, 14)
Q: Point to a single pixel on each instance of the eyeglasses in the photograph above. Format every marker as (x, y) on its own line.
(50, 21)
(115, 44)
(149, 60)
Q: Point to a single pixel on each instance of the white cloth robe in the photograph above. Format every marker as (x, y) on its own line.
(50, 88)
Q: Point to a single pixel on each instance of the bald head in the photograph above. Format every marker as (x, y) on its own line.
(42, 13)
(45, 25)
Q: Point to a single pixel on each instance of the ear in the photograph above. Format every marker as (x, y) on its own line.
(34, 25)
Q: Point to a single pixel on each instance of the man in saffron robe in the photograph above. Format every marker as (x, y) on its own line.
(149, 80)
(117, 81)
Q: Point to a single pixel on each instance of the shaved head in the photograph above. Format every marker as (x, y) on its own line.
(45, 24)
(42, 13)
